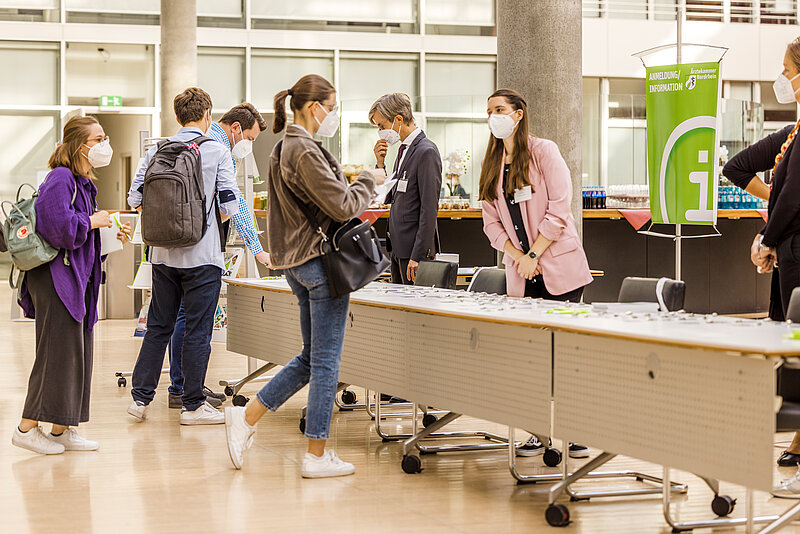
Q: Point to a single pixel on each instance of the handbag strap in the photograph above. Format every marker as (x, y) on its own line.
(312, 219)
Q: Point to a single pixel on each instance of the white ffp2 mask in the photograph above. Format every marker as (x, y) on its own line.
(389, 135)
(784, 92)
(329, 125)
(100, 154)
(501, 125)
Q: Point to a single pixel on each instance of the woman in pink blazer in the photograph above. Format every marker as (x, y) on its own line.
(526, 198)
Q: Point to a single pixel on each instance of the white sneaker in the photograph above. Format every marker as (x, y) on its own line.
(789, 488)
(36, 441)
(138, 410)
(327, 465)
(73, 442)
(204, 415)
(240, 434)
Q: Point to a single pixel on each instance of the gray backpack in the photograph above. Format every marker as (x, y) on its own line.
(173, 196)
(28, 249)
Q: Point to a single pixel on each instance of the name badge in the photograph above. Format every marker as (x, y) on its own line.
(521, 195)
(402, 185)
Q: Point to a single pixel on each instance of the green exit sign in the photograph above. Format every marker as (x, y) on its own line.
(110, 101)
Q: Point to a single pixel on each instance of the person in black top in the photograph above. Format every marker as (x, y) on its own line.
(741, 170)
(778, 240)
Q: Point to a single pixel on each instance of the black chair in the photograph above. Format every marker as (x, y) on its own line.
(788, 419)
(636, 289)
(489, 280)
(437, 274)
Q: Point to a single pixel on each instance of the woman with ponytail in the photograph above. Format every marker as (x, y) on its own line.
(62, 295)
(301, 170)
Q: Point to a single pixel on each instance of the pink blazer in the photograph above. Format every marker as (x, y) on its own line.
(563, 264)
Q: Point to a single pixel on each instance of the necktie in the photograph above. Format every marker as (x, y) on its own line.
(399, 157)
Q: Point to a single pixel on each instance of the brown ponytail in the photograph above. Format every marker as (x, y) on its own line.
(309, 88)
(67, 154)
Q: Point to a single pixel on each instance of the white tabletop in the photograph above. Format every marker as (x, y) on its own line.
(678, 328)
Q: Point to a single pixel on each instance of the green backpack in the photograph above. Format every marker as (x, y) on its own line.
(28, 249)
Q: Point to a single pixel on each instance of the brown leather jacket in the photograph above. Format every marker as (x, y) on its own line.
(314, 175)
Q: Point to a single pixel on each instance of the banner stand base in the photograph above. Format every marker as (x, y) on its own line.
(678, 237)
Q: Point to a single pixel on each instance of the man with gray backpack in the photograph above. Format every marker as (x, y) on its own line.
(189, 189)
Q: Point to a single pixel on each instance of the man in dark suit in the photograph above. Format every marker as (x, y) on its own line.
(415, 197)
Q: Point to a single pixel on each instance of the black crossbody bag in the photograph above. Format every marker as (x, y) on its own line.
(352, 256)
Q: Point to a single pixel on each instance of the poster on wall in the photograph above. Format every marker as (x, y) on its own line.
(682, 142)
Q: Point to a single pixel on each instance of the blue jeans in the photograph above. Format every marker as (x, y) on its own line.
(322, 324)
(176, 353)
(198, 287)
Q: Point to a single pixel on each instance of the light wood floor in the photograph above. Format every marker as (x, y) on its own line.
(159, 477)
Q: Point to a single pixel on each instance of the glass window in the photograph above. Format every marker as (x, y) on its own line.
(26, 142)
(367, 76)
(398, 11)
(220, 13)
(30, 10)
(627, 150)
(220, 72)
(110, 69)
(458, 84)
(460, 17)
(113, 11)
(591, 131)
(464, 143)
(37, 66)
(275, 70)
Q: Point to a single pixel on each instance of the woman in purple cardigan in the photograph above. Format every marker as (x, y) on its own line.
(62, 295)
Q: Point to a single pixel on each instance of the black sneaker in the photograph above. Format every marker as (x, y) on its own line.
(532, 447)
(787, 459)
(209, 394)
(578, 451)
(176, 401)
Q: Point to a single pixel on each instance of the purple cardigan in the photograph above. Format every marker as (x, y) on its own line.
(68, 227)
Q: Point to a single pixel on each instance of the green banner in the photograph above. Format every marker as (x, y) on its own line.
(682, 142)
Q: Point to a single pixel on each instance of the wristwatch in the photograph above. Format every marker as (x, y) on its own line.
(532, 254)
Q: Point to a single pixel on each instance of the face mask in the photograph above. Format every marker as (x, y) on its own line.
(100, 154)
(784, 91)
(501, 125)
(329, 124)
(242, 149)
(389, 135)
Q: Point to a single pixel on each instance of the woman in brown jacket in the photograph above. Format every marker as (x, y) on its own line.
(303, 170)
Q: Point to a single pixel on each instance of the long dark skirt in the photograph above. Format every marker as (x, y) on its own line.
(61, 378)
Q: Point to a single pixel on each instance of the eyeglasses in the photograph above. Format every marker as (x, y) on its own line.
(99, 139)
(330, 107)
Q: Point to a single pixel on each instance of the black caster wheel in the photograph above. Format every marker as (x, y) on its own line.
(557, 515)
(551, 457)
(240, 400)
(428, 419)
(303, 425)
(348, 397)
(723, 505)
(122, 382)
(412, 464)
(229, 391)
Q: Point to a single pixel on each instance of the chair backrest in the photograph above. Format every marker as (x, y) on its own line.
(437, 274)
(636, 289)
(489, 280)
(793, 310)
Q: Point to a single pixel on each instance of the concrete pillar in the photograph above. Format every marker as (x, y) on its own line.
(178, 56)
(539, 55)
